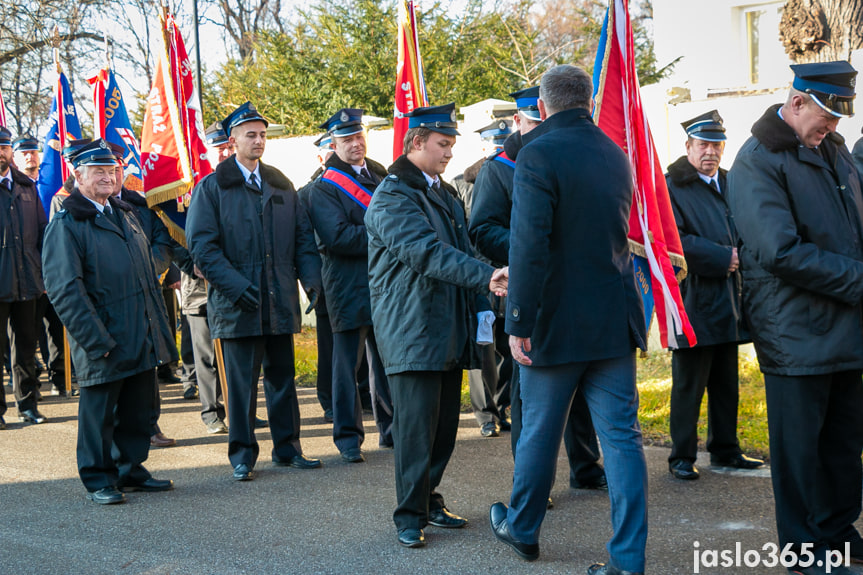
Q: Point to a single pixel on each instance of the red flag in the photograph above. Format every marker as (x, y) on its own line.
(410, 83)
(652, 229)
(173, 154)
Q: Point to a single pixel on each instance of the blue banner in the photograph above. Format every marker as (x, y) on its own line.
(118, 130)
(51, 168)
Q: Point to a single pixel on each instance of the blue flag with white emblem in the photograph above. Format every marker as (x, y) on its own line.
(63, 126)
(112, 124)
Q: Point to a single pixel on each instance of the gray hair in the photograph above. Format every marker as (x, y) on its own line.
(565, 87)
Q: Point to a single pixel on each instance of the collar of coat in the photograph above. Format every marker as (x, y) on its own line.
(407, 172)
(228, 175)
(512, 145)
(336, 162)
(132, 197)
(20, 178)
(472, 171)
(683, 173)
(555, 121)
(81, 208)
(777, 136)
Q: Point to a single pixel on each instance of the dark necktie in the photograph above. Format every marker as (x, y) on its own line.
(715, 185)
(365, 173)
(7, 183)
(253, 182)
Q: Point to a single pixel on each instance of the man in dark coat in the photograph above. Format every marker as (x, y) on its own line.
(342, 194)
(101, 279)
(711, 295)
(22, 223)
(251, 239)
(796, 199)
(574, 315)
(427, 293)
(489, 230)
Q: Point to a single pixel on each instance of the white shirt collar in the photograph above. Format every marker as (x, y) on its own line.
(708, 179)
(99, 206)
(358, 169)
(247, 173)
(431, 181)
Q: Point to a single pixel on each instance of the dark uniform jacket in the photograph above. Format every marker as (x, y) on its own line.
(572, 286)
(22, 224)
(240, 237)
(492, 204)
(306, 199)
(798, 212)
(711, 294)
(102, 283)
(463, 184)
(343, 244)
(426, 287)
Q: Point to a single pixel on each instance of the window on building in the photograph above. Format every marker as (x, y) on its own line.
(766, 61)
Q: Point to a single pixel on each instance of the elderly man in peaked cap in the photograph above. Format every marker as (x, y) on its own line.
(101, 279)
(797, 202)
(252, 240)
(711, 294)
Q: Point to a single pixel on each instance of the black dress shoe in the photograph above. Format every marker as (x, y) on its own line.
(150, 485)
(682, 469)
(298, 462)
(600, 483)
(353, 455)
(412, 538)
(106, 496)
(489, 429)
(606, 569)
(2, 423)
(261, 423)
(497, 518)
(738, 461)
(243, 472)
(443, 518)
(505, 424)
(550, 504)
(32, 416)
(328, 415)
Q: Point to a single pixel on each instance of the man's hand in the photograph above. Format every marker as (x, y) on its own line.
(735, 261)
(175, 285)
(249, 299)
(520, 347)
(499, 282)
(313, 299)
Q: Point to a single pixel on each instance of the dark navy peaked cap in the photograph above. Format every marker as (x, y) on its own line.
(441, 119)
(831, 85)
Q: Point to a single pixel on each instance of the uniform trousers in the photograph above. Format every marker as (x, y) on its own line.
(21, 318)
(114, 431)
(816, 439)
(490, 385)
(324, 335)
(349, 347)
(244, 358)
(187, 353)
(546, 394)
(51, 341)
(206, 370)
(425, 423)
(714, 368)
(579, 436)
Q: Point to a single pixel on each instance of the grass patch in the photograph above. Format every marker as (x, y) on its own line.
(654, 387)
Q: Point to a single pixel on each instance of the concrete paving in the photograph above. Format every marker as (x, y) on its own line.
(337, 519)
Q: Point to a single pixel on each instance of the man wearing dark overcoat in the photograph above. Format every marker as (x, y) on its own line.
(711, 294)
(252, 240)
(574, 316)
(796, 199)
(22, 224)
(427, 295)
(341, 196)
(101, 279)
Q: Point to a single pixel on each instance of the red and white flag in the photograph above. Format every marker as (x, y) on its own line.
(410, 83)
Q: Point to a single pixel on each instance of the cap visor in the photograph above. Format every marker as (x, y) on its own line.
(839, 107)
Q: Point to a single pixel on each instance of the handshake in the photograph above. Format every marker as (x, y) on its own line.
(499, 282)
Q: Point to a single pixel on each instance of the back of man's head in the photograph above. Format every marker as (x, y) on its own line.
(565, 87)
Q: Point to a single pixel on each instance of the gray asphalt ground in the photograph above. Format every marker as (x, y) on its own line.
(337, 519)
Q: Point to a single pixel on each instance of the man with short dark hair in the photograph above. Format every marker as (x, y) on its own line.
(252, 240)
(711, 294)
(22, 223)
(428, 295)
(101, 279)
(797, 201)
(341, 196)
(574, 316)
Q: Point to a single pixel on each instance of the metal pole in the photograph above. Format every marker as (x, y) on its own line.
(198, 55)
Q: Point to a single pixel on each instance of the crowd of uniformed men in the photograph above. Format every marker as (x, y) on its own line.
(521, 273)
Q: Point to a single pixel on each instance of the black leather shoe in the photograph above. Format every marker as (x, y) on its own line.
(550, 504)
(497, 518)
(738, 461)
(682, 469)
(505, 424)
(2, 423)
(443, 518)
(32, 416)
(106, 496)
(243, 472)
(353, 455)
(328, 416)
(261, 423)
(412, 538)
(150, 485)
(489, 429)
(605, 569)
(298, 462)
(600, 483)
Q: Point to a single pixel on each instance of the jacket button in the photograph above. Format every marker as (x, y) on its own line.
(515, 313)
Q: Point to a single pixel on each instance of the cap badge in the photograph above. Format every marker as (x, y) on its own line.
(344, 117)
